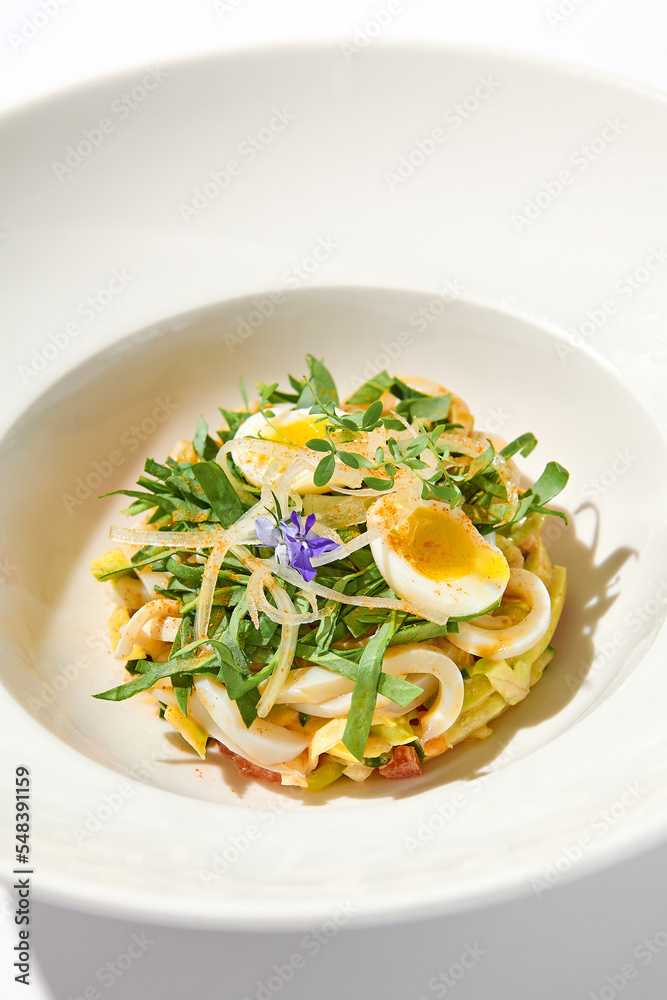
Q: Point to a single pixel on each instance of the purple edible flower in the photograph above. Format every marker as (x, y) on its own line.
(295, 544)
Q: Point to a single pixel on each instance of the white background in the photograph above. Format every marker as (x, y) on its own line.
(572, 941)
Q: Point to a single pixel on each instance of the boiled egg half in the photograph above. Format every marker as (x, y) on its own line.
(292, 428)
(436, 558)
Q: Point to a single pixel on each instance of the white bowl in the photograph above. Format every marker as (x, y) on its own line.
(446, 211)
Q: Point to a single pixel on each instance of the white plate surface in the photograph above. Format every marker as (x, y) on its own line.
(483, 219)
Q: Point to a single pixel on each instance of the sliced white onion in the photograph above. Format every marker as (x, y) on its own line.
(266, 495)
(335, 511)
(264, 742)
(239, 488)
(288, 639)
(161, 608)
(234, 534)
(256, 599)
(505, 473)
(292, 576)
(358, 772)
(498, 644)
(281, 617)
(166, 539)
(286, 484)
(256, 584)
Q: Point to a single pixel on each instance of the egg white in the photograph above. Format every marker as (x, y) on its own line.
(254, 465)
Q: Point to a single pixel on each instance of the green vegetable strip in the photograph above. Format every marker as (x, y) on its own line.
(364, 696)
(145, 681)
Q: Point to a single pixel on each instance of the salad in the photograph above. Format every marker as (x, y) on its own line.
(330, 590)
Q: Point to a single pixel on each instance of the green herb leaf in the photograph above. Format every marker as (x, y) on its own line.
(324, 470)
(322, 381)
(364, 695)
(525, 444)
(372, 414)
(219, 492)
(204, 445)
(317, 444)
(403, 391)
(551, 482)
(371, 390)
(378, 484)
(443, 492)
(432, 408)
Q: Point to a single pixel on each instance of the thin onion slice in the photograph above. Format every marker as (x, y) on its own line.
(235, 533)
(281, 617)
(256, 598)
(166, 539)
(293, 576)
(254, 590)
(505, 473)
(282, 488)
(288, 640)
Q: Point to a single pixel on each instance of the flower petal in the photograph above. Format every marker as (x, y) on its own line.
(318, 545)
(301, 562)
(310, 521)
(296, 520)
(267, 532)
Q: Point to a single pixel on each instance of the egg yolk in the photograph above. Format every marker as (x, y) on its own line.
(295, 432)
(441, 547)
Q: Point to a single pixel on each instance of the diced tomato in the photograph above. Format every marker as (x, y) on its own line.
(403, 764)
(245, 767)
(253, 771)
